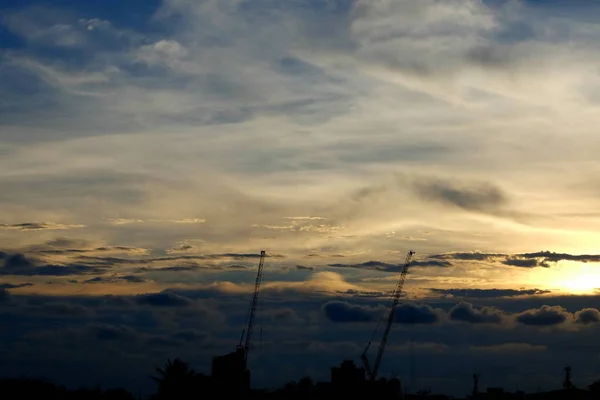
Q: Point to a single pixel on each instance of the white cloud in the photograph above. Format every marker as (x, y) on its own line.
(313, 128)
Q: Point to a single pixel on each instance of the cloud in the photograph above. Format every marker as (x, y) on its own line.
(406, 313)
(587, 316)
(467, 313)
(544, 316)
(385, 267)
(305, 218)
(341, 311)
(19, 265)
(488, 293)
(523, 260)
(473, 197)
(409, 312)
(509, 348)
(14, 285)
(114, 279)
(164, 299)
(40, 226)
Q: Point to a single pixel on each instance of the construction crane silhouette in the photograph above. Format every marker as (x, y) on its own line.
(230, 372)
(372, 372)
(247, 332)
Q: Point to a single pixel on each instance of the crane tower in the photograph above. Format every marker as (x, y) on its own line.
(230, 372)
(372, 372)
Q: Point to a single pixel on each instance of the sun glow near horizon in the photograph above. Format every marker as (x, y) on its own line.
(569, 277)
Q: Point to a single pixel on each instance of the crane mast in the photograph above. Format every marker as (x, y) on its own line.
(372, 372)
(252, 312)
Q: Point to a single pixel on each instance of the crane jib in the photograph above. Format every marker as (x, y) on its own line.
(253, 305)
(372, 373)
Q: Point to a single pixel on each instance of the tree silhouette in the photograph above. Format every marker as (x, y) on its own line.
(594, 388)
(175, 381)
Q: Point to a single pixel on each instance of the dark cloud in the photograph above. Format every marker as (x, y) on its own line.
(471, 197)
(587, 316)
(406, 313)
(411, 313)
(549, 256)
(544, 316)
(342, 311)
(17, 261)
(14, 285)
(20, 265)
(111, 261)
(304, 268)
(385, 267)
(37, 226)
(282, 316)
(64, 309)
(191, 335)
(465, 312)
(103, 249)
(164, 299)
(111, 332)
(470, 256)
(488, 293)
(4, 295)
(144, 330)
(523, 260)
(113, 279)
(176, 268)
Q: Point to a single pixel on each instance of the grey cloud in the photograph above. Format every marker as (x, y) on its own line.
(341, 311)
(39, 226)
(406, 313)
(283, 316)
(304, 268)
(587, 316)
(65, 309)
(19, 265)
(525, 263)
(467, 313)
(385, 267)
(111, 332)
(544, 316)
(17, 261)
(478, 256)
(488, 293)
(14, 285)
(471, 197)
(411, 313)
(113, 279)
(523, 260)
(151, 260)
(191, 335)
(164, 299)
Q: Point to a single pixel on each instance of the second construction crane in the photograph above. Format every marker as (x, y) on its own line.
(245, 344)
(373, 371)
(230, 372)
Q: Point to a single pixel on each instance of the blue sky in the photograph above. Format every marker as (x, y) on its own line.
(151, 146)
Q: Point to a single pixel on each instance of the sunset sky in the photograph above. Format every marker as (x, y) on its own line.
(149, 150)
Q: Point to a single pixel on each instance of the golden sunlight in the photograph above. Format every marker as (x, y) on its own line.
(575, 278)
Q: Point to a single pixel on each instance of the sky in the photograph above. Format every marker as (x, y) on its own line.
(149, 150)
